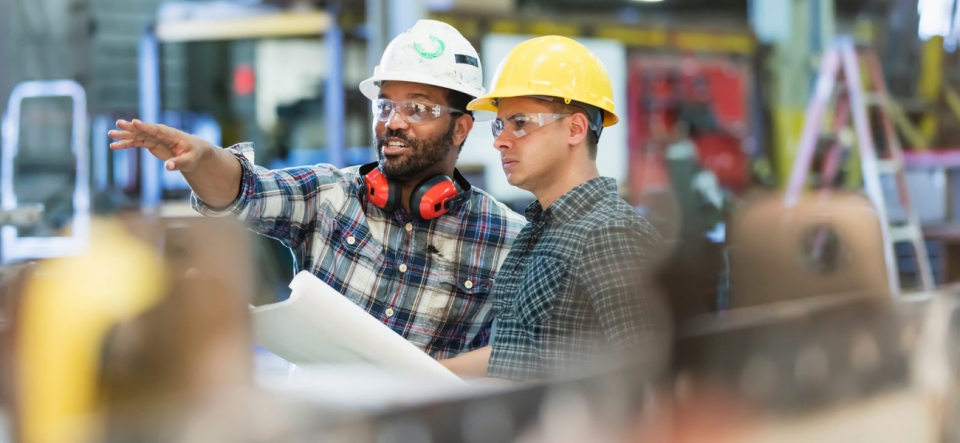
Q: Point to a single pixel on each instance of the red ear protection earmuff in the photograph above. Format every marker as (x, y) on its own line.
(431, 197)
(380, 191)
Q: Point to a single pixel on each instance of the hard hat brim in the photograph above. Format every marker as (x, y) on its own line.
(488, 103)
(370, 87)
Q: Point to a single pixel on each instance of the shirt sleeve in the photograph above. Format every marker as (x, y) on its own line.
(615, 274)
(483, 337)
(280, 203)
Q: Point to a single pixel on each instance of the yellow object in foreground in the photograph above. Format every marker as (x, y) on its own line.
(69, 306)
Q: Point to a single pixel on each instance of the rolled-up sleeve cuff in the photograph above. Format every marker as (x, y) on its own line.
(245, 154)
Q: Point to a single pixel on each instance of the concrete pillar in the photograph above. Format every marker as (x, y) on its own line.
(385, 20)
(335, 100)
(150, 107)
(404, 14)
(377, 31)
(6, 11)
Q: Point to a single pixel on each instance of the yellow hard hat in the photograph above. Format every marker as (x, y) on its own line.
(551, 66)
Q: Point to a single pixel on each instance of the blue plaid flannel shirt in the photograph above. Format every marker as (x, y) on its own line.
(428, 280)
(573, 294)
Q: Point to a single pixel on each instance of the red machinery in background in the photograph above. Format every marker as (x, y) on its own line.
(703, 99)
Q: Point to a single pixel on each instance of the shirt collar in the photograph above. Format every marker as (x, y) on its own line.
(575, 202)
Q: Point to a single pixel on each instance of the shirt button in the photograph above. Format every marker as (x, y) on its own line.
(468, 284)
(403, 268)
(351, 240)
(409, 227)
(388, 312)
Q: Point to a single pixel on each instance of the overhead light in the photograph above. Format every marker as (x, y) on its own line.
(939, 17)
(648, 1)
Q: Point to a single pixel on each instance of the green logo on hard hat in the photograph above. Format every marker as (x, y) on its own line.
(437, 48)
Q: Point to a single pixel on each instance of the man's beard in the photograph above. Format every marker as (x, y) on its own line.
(422, 154)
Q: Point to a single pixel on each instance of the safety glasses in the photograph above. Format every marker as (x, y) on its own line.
(411, 111)
(519, 125)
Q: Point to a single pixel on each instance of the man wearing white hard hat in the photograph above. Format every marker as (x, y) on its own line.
(405, 238)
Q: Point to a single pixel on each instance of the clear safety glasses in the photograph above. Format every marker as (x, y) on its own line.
(411, 111)
(519, 125)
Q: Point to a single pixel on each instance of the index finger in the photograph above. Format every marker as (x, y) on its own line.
(120, 135)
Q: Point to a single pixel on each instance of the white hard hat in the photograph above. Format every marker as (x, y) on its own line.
(431, 53)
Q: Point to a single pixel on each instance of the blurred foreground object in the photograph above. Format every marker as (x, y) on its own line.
(69, 306)
(811, 315)
(813, 345)
(822, 246)
(113, 344)
(813, 348)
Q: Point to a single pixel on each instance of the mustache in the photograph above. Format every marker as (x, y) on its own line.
(393, 133)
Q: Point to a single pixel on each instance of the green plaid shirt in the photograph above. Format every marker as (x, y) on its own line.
(572, 293)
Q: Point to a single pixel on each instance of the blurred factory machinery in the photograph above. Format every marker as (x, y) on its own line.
(800, 316)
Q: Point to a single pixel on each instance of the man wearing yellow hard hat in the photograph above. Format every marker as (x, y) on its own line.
(572, 292)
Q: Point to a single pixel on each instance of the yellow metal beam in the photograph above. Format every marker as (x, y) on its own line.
(740, 43)
(262, 26)
(915, 139)
(631, 36)
(717, 41)
(931, 82)
(953, 100)
(553, 28)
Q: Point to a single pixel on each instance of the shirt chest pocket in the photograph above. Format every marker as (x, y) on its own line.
(356, 260)
(536, 294)
(456, 296)
(356, 243)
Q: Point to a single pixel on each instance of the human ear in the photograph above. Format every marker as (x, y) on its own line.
(462, 127)
(578, 129)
